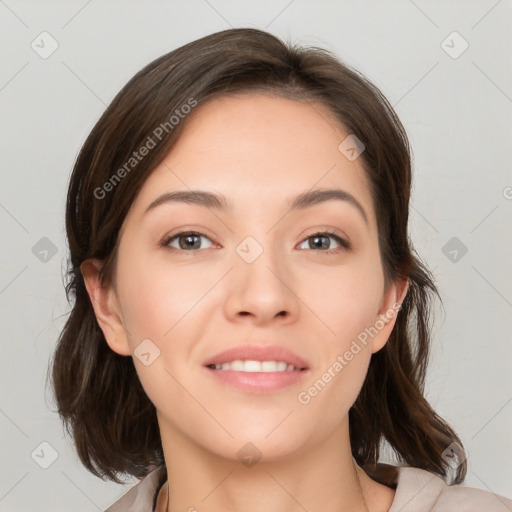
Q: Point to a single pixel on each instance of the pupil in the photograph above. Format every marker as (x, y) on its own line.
(325, 244)
(189, 238)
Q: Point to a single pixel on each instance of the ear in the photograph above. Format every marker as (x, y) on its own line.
(106, 307)
(386, 318)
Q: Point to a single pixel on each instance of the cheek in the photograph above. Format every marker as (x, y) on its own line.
(156, 298)
(162, 304)
(333, 391)
(345, 299)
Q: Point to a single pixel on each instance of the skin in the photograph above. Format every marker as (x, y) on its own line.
(259, 151)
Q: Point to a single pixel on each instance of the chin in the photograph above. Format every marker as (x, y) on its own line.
(255, 443)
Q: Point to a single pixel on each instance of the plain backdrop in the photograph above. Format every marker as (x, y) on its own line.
(444, 66)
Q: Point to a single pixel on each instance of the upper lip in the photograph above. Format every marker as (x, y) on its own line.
(257, 353)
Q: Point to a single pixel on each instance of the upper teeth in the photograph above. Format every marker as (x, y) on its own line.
(256, 366)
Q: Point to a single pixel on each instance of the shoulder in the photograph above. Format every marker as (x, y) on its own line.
(421, 491)
(142, 496)
(468, 499)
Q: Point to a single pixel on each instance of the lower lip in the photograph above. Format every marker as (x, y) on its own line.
(259, 382)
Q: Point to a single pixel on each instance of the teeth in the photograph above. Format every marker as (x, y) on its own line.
(256, 366)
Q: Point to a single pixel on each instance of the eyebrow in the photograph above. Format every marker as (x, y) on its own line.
(220, 202)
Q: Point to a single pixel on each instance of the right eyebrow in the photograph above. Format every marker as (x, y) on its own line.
(199, 197)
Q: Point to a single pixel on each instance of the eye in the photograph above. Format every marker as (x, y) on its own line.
(321, 241)
(188, 241)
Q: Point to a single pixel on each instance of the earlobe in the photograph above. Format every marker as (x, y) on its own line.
(106, 309)
(386, 319)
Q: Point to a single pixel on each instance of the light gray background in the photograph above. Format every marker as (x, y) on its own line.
(457, 112)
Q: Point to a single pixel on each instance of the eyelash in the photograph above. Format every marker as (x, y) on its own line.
(345, 244)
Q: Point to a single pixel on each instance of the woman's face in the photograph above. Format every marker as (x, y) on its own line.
(252, 273)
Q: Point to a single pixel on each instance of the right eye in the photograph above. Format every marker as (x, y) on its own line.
(188, 241)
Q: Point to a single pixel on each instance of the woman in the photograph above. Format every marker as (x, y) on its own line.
(237, 224)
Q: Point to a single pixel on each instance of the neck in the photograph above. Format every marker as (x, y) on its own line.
(321, 478)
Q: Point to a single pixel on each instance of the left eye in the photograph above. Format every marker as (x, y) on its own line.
(321, 241)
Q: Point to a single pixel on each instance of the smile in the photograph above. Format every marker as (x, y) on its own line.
(255, 366)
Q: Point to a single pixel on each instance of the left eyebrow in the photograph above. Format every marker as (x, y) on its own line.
(316, 196)
(221, 202)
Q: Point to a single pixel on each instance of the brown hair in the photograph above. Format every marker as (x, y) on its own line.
(98, 393)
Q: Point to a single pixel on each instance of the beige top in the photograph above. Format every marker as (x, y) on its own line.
(416, 491)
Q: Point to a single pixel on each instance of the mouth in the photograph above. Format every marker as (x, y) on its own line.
(257, 369)
(257, 358)
(253, 366)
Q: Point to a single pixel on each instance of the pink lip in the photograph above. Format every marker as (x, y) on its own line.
(258, 382)
(257, 353)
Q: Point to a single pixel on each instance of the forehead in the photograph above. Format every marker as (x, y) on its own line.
(259, 148)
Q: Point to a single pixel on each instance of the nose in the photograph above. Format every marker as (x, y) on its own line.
(261, 291)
